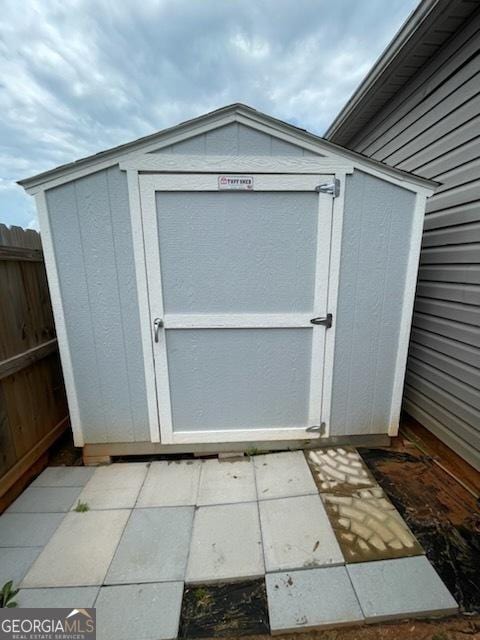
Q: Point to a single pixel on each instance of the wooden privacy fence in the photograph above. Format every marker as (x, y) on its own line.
(33, 407)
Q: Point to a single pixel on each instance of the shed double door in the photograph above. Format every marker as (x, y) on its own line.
(237, 267)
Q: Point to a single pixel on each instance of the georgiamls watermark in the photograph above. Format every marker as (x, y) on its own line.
(47, 624)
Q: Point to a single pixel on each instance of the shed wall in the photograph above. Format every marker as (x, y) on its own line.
(432, 127)
(236, 140)
(377, 229)
(91, 231)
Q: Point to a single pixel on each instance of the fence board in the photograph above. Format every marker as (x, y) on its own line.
(17, 363)
(19, 253)
(33, 406)
(7, 450)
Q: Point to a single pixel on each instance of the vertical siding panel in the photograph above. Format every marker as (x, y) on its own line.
(401, 225)
(378, 314)
(65, 228)
(236, 139)
(370, 271)
(100, 266)
(345, 332)
(252, 142)
(193, 146)
(223, 141)
(377, 224)
(129, 310)
(283, 148)
(168, 149)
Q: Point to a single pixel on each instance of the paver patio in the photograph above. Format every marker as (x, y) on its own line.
(152, 528)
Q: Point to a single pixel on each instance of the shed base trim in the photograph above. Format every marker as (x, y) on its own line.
(93, 453)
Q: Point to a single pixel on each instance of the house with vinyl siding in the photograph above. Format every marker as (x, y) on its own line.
(418, 110)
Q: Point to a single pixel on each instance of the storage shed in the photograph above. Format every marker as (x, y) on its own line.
(230, 282)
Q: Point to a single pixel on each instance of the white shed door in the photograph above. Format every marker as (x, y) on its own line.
(235, 278)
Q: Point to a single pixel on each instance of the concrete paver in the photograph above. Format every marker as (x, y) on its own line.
(170, 483)
(297, 534)
(114, 487)
(280, 475)
(339, 470)
(28, 529)
(226, 482)
(139, 612)
(400, 588)
(154, 546)
(64, 477)
(63, 597)
(45, 500)
(15, 562)
(226, 544)
(368, 526)
(80, 551)
(313, 598)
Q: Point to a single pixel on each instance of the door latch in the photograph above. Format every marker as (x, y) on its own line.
(157, 325)
(326, 322)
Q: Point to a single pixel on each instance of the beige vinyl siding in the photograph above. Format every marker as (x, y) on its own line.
(432, 127)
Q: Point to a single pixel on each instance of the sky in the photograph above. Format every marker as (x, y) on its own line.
(80, 76)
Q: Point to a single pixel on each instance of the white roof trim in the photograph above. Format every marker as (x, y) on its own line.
(167, 163)
(233, 113)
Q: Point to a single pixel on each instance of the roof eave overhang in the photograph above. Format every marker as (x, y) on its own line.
(220, 117)
(120, 151)
(390, 68)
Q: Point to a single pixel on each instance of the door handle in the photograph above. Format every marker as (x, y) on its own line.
(326, 322)
(157, 325)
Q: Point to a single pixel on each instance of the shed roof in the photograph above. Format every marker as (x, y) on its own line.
(427, 28)
(232, 113)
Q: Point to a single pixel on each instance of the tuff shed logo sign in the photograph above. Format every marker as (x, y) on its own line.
(47, 624)
(235, 183)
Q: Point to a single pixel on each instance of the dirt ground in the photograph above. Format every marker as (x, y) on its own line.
(456, 628)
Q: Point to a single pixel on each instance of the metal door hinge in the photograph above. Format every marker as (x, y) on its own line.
(326, 322)
(320, 429)
(330, 187)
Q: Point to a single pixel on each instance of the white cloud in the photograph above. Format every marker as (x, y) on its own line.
(79, 76)
(251, 47)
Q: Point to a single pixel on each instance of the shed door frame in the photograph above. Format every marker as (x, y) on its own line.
(144, 186)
